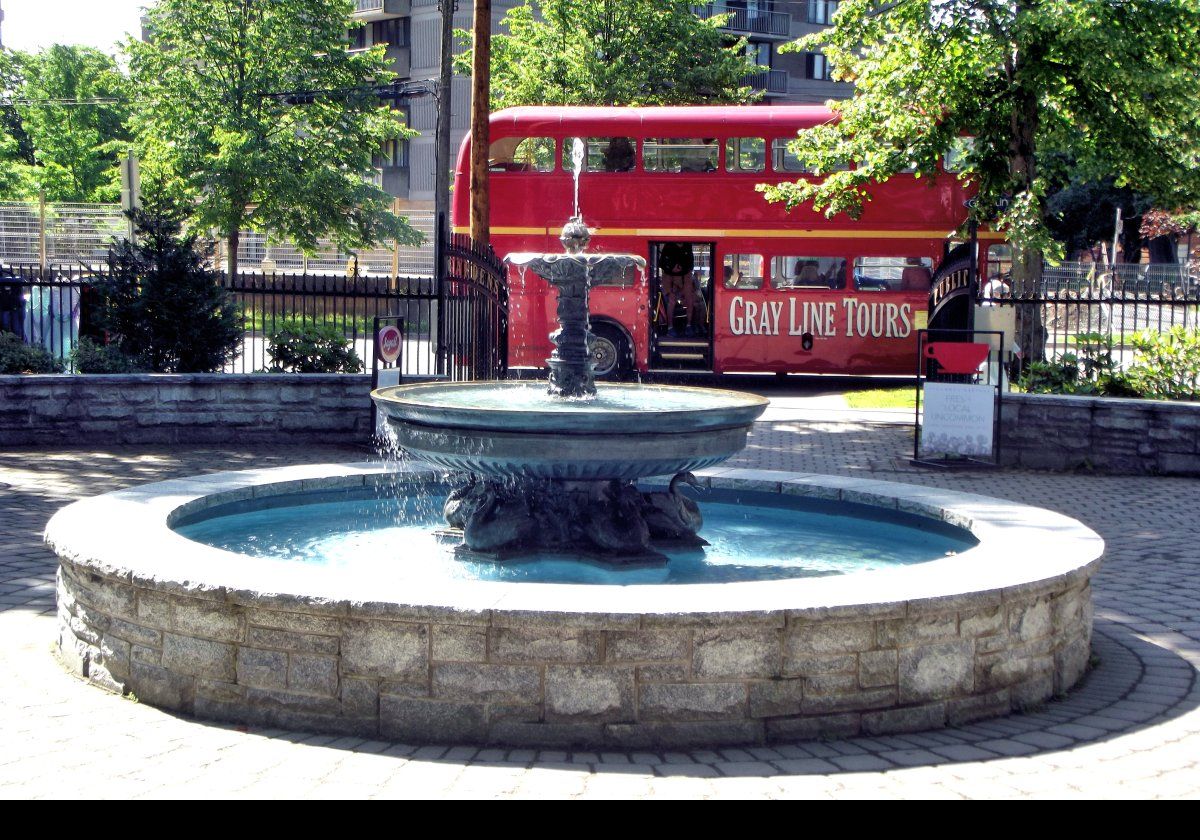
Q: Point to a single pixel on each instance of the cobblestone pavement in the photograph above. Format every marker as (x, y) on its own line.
(1131, 729)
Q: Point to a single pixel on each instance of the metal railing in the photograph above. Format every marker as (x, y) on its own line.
(755, 21)
(457, 328)
(770, 81)
(1113, 302)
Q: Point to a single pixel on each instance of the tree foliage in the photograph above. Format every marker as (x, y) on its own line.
(218, 142)
(613, 52)
(1110, 85)
(66, 128)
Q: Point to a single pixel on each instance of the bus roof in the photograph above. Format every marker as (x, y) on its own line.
(694, 121)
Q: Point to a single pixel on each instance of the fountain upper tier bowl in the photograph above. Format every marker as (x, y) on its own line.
(510, 429)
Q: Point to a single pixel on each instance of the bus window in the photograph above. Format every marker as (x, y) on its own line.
(808, 273)
(745, 154)
(679, 154)
(893, 274)
(782, 160)
(521, 154)
(604, 154)
(743, 271)
(955, 158)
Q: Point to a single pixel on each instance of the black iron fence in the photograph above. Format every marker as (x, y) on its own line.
(1084, 299)
(457, 328)
(474, 310)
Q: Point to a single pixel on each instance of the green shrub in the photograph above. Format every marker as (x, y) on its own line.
(1166, 365)
(161, 305)
(1090, 372)
(91, 357)
(18, 357)
(305, 347)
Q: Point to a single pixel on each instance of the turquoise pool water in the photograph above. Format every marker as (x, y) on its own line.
(752, 536)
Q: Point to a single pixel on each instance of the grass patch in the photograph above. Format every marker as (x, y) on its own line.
(882, 398)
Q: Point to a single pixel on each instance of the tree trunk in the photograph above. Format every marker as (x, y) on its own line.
(234, 238)
(1022, 140)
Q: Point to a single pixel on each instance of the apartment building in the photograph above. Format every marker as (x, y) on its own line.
(412, 31)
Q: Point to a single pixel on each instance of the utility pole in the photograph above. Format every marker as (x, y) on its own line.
(441, 182)
(481, 67)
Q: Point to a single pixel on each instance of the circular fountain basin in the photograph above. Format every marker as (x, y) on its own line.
(508, 429)
(222, 635)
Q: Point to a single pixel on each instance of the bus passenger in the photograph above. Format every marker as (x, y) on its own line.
(678, 285)
(915, 277)
(619, 156)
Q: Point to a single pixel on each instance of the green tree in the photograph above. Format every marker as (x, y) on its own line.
(67, 125)
(163, 308)
(1111, 85)
(613, 52)
(218, 142)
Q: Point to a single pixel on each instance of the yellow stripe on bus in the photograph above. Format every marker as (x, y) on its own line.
(768, 233)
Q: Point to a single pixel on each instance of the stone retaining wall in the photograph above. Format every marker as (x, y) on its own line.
(1141, 437)
(201, 408)
(422, 674)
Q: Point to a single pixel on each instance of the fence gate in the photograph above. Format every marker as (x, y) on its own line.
(473, 311)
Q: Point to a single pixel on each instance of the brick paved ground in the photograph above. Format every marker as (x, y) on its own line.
(1131, 729)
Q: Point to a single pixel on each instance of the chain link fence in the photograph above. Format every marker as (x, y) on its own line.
(33, 233)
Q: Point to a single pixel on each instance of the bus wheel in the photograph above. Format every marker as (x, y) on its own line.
(611, 357)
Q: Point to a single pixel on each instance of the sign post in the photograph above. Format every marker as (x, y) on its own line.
(958, 398)
(385, 364)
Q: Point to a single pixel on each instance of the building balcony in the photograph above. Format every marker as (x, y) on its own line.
(774, 25)
(770, 82)
(381, 9)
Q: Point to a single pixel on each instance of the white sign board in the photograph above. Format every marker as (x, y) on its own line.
(958, 419)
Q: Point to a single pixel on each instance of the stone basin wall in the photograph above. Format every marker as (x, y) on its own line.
(422, 674)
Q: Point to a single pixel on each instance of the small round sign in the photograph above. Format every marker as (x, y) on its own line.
(387, 342)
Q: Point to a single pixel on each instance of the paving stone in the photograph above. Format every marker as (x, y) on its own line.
(1150, 578)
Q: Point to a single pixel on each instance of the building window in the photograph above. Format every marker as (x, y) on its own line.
(817, 67)
(759, 53)
(393, 155)
(821, 11)
(358, 38)
(393, 32)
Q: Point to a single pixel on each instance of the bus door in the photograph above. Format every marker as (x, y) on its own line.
(681, 305)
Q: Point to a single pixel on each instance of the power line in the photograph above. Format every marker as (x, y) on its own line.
(66, 103)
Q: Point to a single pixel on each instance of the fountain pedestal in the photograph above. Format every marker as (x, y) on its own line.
(558, 474)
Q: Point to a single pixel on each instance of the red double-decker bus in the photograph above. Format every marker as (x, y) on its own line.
(733, 283)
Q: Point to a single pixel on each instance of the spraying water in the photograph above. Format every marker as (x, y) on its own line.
(577, 153)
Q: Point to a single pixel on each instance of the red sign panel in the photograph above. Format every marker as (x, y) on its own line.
(387, 343)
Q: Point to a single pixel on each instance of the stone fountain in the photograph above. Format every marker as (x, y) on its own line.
(553, 466)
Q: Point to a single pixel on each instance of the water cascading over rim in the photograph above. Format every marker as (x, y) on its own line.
(559, 474)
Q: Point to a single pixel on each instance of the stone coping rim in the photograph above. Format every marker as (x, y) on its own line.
(418, 404)
(126, 535)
